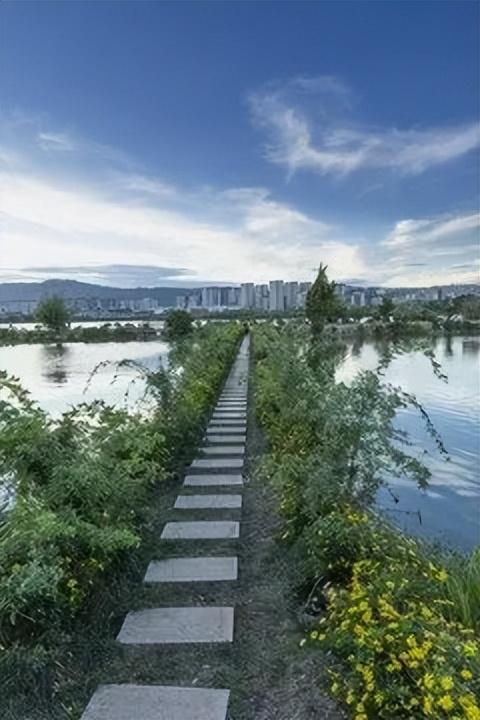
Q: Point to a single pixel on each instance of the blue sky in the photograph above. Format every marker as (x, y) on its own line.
(178, 142)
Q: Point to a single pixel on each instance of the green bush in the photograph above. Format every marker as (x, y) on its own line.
(400, 618)
(82, 484)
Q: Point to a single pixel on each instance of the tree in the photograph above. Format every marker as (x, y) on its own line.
(322, 302)
(386, 308)
(178, 323)
(53, 313)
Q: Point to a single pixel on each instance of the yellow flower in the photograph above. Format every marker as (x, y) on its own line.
(469, 649)
(466, 675)
(314, 635)
(428, 681)
(428, 705)
(446, 702)
(446, 682)
(411, 641)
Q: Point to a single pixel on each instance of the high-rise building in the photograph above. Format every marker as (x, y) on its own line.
(290, 290)
(277, 296)
(247, 295)
(210, 297)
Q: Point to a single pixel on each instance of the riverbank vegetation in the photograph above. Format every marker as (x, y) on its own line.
(82, 486)
(109, 332)
(399, 619)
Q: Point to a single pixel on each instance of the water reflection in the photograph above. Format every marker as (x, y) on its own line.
(54, 363)
(448, 350)
(450, 508)
(57, 376)
(471, 347)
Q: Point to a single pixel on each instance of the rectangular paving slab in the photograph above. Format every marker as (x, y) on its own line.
(201, 530)
(229, 414)
(228, 463)
(237, 423)
(156, 626)
(224, 405)
(156, 702)
(205, 502)
(197, 569)
(223, 450)
(212, 480)
(225, 439)
(222, 429)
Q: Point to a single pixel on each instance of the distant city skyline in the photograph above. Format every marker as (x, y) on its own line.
(146, 144)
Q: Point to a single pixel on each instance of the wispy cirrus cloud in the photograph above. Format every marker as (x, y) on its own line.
(310, 125)
(56, 142)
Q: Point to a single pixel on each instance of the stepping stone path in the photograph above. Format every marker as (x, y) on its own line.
(219, 464)
(206, 502)
(153, 702)
(202, 530)
(212, 480)
(192, 569)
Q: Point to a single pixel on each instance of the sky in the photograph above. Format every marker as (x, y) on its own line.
(177, 143)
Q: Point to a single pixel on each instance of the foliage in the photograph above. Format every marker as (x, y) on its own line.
(399, 619)
(178, 323)
(82, 485)
(53, 313)
(385, 310)
(322, 303)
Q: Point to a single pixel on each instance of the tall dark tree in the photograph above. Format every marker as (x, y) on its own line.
(178, 323)
(322, 302)
(53, 313)
(386, 308)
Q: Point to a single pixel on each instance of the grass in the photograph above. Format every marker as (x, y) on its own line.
(463, 589)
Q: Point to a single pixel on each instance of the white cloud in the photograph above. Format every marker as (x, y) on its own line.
(322, 137)
(58, 142)
(45, 221)
(58, 215)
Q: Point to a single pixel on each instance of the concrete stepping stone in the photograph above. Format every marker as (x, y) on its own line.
(201, 530)
(227, 463)
(157, 626)
(230, 407)
(212, 480)
(224, 439)
(216, 422)
(223, 450)
(197, 569)
(233, 415)
(206, 502)
(156, 702)
(220, 429)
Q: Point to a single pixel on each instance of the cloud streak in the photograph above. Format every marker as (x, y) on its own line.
(120, 217)
(323, 137)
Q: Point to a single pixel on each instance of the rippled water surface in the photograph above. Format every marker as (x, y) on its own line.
(58, 377)
(450, 509)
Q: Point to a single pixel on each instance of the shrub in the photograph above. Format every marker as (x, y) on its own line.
(399, 618)
(82, 484)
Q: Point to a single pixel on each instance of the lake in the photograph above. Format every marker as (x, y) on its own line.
(450, 508)
(57, 377)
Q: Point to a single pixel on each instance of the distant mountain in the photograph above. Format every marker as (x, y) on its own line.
(73, 290)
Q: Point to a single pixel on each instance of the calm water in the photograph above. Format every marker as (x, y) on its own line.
(57, 377)
(450, 509)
